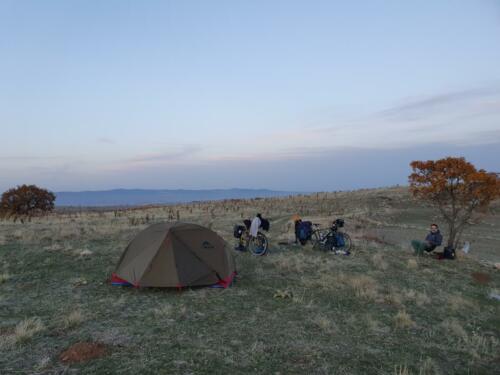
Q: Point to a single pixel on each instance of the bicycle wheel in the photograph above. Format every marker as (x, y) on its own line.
(318, 238)
(347, 242)
(258, 245)
(339, 243)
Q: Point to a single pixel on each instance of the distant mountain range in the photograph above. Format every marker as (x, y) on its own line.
(137, 197)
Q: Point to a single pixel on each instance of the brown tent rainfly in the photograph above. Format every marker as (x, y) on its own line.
(175, 255)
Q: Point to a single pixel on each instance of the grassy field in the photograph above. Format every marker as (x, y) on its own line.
(295, 311)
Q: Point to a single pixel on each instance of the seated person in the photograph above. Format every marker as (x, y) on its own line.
(433, 240)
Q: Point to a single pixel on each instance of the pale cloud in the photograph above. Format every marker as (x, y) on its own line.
(15, 158)
(462, 117)
(106, 140)
(467, 117)
(422, 108)
(176, 153)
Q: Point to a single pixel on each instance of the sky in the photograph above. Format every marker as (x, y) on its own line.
(286, 95)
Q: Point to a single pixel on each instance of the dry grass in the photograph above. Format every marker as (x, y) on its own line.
(73, 319)
(364, 286)
(454, 328)
(54, 247)
(403, 320)
(477, 345)
(300, 298)
(401, 370)
(43, 363)
(150, 329)
(164, 311)
(457, 303)
(379, 262)
(84, 253)
(325, 324)
(412, 264)
(480, 346)
(429, 367)
(288, 263)
(371, 324)
(4, 277)
(422, 299)
(419, 298)
(78, 281)
(394, 297)
(26, 329)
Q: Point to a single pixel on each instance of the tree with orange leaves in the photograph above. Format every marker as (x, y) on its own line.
(457, 188)
(26, 201)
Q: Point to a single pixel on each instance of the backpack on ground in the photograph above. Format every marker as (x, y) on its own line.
(265, 225)
(238, 231)
(339, 240)
(247, 223)
(304, 231)
(449, 253)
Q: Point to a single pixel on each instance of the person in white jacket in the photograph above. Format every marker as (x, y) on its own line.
(256, 223)
(253, 230)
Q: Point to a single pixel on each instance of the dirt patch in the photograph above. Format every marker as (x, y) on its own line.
(83, 352)
(481, 278)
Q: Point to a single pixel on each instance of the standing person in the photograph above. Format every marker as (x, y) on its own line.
(256, 223)
(432, 240)
(296, 222)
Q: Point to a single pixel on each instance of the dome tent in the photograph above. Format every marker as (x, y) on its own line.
(175, 255)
